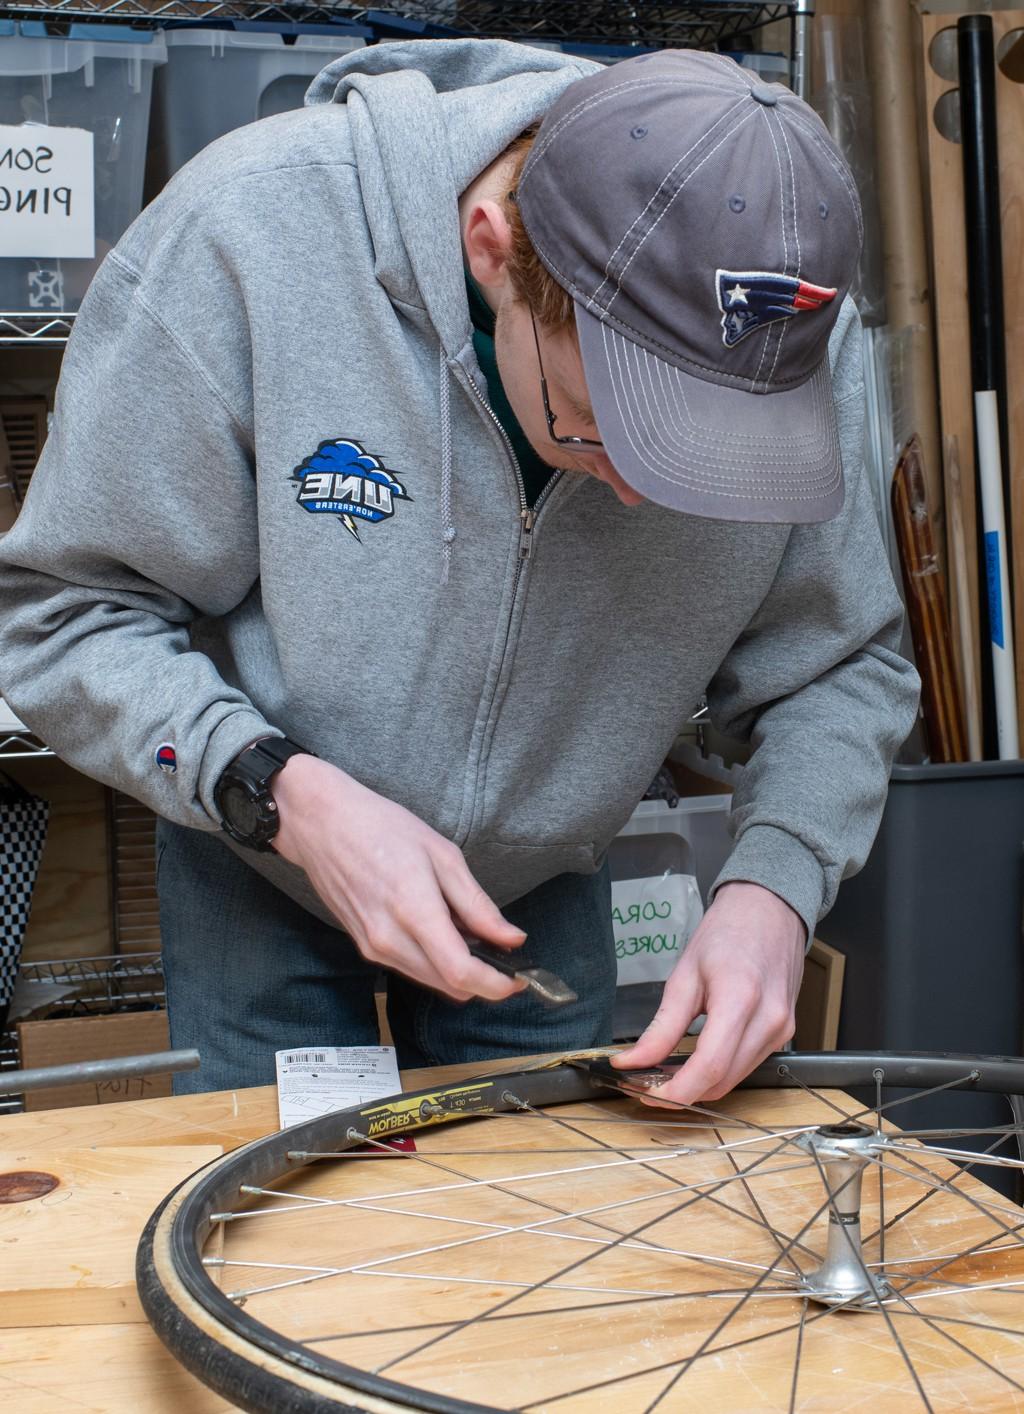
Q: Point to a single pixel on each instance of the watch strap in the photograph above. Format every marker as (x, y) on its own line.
(251, 772)
(262, 758)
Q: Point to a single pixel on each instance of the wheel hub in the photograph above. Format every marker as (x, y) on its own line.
(844, 1279)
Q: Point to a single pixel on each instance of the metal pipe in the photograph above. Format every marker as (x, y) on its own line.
(800, 14)
(17, 1082)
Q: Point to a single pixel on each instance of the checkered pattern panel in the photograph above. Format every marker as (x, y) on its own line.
(22, 836)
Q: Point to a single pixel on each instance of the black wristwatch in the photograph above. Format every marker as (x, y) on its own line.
(244, 799)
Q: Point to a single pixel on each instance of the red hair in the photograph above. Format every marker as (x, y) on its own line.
(531, 282)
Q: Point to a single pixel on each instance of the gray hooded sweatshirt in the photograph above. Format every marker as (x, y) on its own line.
(284, 331)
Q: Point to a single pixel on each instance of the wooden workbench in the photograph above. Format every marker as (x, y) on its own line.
(113, 1362)
(73, 1336)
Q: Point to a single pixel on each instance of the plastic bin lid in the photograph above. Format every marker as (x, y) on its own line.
(115, 34)
(35, 28)
(30, 55)
(215, 39)
(688, 805)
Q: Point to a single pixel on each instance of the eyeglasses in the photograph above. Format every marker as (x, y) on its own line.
(580, 444)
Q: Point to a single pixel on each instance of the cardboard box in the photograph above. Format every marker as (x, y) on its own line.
(80, 1038)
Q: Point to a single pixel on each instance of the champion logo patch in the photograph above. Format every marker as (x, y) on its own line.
(750, 299)
(167, 758)
(342, 479)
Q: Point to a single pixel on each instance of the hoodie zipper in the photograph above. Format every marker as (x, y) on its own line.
(527, 515)
(527, 521)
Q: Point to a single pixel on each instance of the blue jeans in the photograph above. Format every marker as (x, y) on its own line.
(249, 973)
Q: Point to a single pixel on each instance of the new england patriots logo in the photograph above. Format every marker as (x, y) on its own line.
(342, 479)
(750, 299)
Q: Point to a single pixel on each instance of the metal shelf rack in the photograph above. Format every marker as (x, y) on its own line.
(85, 986)
(17, 743)
(21, 746)
(643, 23)
(42, 330)
(611, 26)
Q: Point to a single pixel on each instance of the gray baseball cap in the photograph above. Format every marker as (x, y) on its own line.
(708, 230)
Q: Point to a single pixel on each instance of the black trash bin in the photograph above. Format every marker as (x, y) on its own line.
(931, 930)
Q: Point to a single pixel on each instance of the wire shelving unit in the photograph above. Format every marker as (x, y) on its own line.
(608, 28)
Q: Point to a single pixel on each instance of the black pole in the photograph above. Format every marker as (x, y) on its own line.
(983, 218)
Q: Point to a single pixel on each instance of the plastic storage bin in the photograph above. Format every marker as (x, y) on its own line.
(217, 80)
(931, 929)
(96, 79)
(689, 838)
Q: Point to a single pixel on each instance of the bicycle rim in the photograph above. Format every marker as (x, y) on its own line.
(670, 1305)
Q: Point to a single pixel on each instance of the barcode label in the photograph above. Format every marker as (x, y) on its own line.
(315, 1081)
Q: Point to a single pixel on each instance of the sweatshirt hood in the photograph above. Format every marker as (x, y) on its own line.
(426, 117)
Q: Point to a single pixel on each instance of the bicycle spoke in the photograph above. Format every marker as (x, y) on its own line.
(1006, 1131)
(504, 1228)
(958, 1155)
(599, 1117)
(925, 1197)
(784, 1069)
(878, 1076)
(685, 1365)
(670, 1364)
(934, 1325)
(777, 1237)
(923, 1174)
(878, 1302)
(564, 1271)
(796, 1357)
(916, 1095)
(302, 1156)
(446, 1277)
(410, 1192)
(630, 1297)
(759, 1221)
(960, 1290)
(640, 1299)
(695, 1188)
(948, 1262)
(959, 1256)
(623, 1086)
(706, 1348)
(595, 1115)
(431, 1162)
(302, 1200)
(931, 1257)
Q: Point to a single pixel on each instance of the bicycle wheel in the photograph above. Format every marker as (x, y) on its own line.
(553, 1244)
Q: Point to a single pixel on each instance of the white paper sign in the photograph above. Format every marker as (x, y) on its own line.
(653, 920)
(47, 207)
(315, 1080)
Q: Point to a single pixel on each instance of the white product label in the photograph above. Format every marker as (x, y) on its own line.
(47, 207)
(653, 920)
(315, 1080)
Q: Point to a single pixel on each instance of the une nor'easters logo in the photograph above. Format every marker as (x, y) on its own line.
(342, 479)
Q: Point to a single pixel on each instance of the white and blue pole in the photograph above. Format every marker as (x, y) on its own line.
(982, 210)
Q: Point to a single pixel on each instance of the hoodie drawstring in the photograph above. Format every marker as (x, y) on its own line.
(447, 522)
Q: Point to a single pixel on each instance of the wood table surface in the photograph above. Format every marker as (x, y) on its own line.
(116, 1366)
(99, 1364)
(72, 1333)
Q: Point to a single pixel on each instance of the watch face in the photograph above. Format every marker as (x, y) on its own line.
(240, 810)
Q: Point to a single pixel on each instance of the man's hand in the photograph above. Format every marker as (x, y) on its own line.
(743, 967)
(400, 890)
